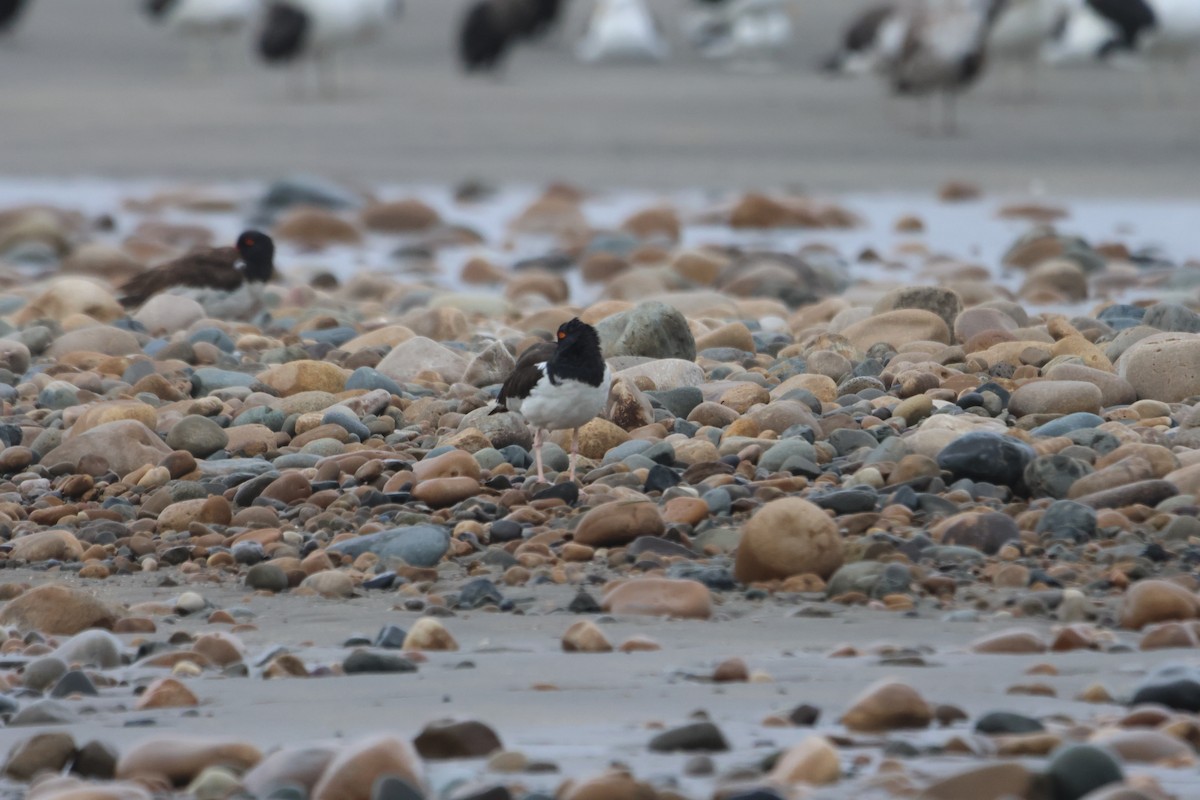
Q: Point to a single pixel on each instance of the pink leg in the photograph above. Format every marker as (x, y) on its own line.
(537, 454)
(574, 451)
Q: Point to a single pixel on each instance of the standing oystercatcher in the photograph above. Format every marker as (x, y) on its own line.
(559, 386)
(251, 260)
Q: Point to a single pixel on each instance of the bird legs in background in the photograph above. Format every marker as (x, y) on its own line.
(537, 454)
(574, 453)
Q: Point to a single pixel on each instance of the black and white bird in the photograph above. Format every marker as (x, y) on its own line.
(1159, 31)
(298, 31)
(559, 386)
(490, 29)
(939, 50)
(10, 14)
(250, 261)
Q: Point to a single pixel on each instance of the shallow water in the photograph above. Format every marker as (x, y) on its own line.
(971, 231)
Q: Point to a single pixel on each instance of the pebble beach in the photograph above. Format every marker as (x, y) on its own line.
(895, 496)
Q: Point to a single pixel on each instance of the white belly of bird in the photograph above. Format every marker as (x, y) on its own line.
(569, 404)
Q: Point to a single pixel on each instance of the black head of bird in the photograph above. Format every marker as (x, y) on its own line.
(258, 254)
(578, 355)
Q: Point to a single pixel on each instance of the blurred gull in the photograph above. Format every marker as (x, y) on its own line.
(622, 30)
(490, 28)
(939, 50)
(741, 29)
(204, 23)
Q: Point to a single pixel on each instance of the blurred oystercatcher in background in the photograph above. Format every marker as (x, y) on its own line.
(250, 261)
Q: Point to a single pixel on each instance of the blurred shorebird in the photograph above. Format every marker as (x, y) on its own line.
(249, 262)
(622, 30)
(939, 50)
(741, 29)
(1016, 35)
(10, 14)
(490, 28)
(295, 32)
(203, 23)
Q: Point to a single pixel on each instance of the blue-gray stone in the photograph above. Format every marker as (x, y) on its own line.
(847, 501)
(58, 396)
(489, 457)
(369, 379)
(415, 545)
(1172, 317)
(661, 453)
(1076, 770)
(679, 401)
(479, 592)
(306, 190)
(207, 380)
(341, 415)
(774, 458)
(848, 440)
(297, 461)
(626, 449)
(213, 336)
(998, 722)
(1068, 423)
(719, 502)
(334, 336)
(272, 418)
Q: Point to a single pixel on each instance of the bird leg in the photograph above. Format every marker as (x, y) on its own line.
(537, 454)
(574, 452)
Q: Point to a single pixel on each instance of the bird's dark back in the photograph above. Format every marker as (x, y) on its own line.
(1131, 17)
(10, 10)
(284, 33)
(483, 38)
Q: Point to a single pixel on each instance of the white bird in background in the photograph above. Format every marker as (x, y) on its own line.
(1021, 31)
(741, 29)
(941, 50)
(204, 23)
(622, 30)
(298, 31)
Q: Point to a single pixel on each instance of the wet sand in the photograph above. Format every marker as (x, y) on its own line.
(90, 88)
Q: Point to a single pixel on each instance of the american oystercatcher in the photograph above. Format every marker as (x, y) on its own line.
(251, 260)
(559, 385)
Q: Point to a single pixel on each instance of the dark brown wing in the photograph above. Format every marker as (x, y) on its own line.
(525, 375)
(208, 269)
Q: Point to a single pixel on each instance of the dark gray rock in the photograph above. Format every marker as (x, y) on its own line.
(651, 329)
(986, 456)
(694, 737)
(415, 545)
(1053, 475)
(371, 661)
(267, 577)
(1001, 722)
(1078, 769)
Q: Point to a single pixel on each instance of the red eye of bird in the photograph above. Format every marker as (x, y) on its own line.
(248, 242)
(561, 335)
